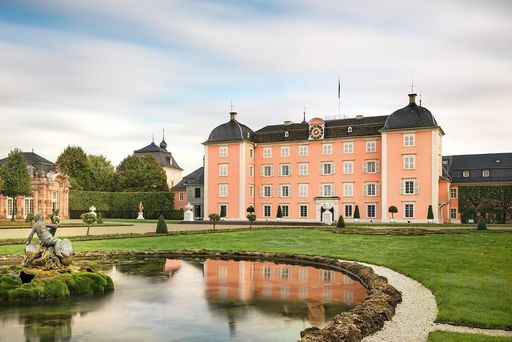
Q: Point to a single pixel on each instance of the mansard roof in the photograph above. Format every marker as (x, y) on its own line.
(194, 178)
(36, 161)
(498, 164)
(410, 116)
(162, 156)
(231, 131)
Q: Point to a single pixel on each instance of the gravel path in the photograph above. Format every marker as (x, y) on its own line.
(414, 317)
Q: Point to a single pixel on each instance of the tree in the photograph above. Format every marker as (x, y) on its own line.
(214, 218)
(74, 163)
(430, 213)
(89, 219)
(356, 213)
(141, 174)
(251, 218)
(161, 226)
(393, 210)
(16, 179)
(279, 212)
(341, 222)
(250, 209)
(481, 224)
(103, 174)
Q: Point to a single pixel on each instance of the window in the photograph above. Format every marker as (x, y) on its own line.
(326, 276)
(453, 214)
(326, 190)
(303, 169)
(267, 210)
(10, 206)
(251, 170)
(303, 210)
(286, 134)
(267, 272)
(326, 149)
(303, 274)
(267, 170)
(266, 191)
(465, 173)
(370, 166)
(223, 151)
(485, 173)
(29, 205)
(285, 191)
(348, 210)
(303, 190)
(251, 152)
(409, 187)
(180, 196)
(223, 190)
(55, 197)
(223, 208)
(303, 150)
(197, 192)
(409, 161)
(371, 146)
(348, 147)
(285, 273)
(409, 210)
(348, 189)
(267, 152)
(370, 189)
(223, 169)
(408, 140)
(370, 210)
(453, 193)
(285, 151)
(284, 170)
(285, 210)
(327, 168)
(348, 167)
(251, 190)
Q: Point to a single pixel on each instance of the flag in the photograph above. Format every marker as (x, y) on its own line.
(339, 88)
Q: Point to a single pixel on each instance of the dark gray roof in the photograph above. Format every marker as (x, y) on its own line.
(498, 164)
(231, 131)
(162, 156)
(194, 178)
(36, 161)
(411, 116)
(362, 126)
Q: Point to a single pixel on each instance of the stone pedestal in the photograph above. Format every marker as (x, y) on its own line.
(188, 215)
(141, 216)
(327, 217)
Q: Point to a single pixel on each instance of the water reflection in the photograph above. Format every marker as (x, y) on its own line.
(192, 300)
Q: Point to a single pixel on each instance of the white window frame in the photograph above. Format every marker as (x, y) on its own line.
(366, 166)
(454, 193)
(223, 170)
(285, 151)
(415, 187)
(406, 212)
(303, 208)
(180, 196)
(409, 140)
(371, 185)
(251, 152)
(303, 169)
(371, 146)
(485, 173)
(264, 192)
(303, 150)
(9, 206)
(348, 189)
(324, 192)
(223, 151)
(409, 161)
(453, 213)
(285, 209)
(348, 147)
(251, 170)
(251, 190)
(368, 210)
(303, 190)
(465, 173)
(324, 165)
(267, 152)
(283, 192)
(265, 207)
(348, 205)
(264, 168)
(223, 190)
(348, 167)
(326, 149)
(28, 206)
(282, 167)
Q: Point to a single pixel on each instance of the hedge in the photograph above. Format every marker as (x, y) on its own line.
(124, 204)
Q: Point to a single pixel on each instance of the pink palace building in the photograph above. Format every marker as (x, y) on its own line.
(319, 169)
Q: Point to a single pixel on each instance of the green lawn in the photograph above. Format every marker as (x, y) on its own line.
(470, 274)
(444, 336)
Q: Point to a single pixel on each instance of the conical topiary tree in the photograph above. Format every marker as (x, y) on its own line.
(279, 212)
(481, 224)
(357, 216)
(161, 226)
(341, 222)
(430, 214)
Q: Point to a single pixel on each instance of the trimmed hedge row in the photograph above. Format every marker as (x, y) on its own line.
(124, 204)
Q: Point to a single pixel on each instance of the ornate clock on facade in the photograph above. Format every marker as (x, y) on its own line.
(316, 132)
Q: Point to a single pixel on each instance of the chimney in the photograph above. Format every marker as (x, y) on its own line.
(288, 122)
(232, 116)
(412, 99)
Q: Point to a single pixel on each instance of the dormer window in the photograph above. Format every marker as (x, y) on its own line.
(286, 134)
(465, 173)
(349, 130)
(485, 173)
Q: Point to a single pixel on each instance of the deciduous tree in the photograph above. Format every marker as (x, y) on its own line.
(103, 173)
(74, 163)
(141, 174)
(15, 177)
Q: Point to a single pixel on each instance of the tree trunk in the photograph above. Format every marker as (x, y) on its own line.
(88, 230)
(14, 209)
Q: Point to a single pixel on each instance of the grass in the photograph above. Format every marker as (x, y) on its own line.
(444, 336)
(469, 274)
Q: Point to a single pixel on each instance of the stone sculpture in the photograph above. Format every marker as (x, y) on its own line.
(141, 212)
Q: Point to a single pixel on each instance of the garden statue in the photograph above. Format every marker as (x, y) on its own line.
(141, 212)
(50, 252)
(188, 215)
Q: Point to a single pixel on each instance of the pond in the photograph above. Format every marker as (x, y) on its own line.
(192, 300)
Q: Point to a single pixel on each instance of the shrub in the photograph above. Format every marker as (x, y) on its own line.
(30, 217)
(356, 212)
(99, 218)
(481, 224)
(430, 213)
(279, 212)
(251, 218)
(89, 219)
(214, 218)
(393, 210)
(341, 222)
(161, 226)
(250, 209)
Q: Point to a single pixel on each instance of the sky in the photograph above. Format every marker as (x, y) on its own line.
(107, 75)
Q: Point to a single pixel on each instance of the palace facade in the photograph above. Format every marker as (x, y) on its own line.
(319, 169)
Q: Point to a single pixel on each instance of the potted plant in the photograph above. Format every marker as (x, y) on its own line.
(279, 213)
(357, 216)
(393, 210)
(430, 214)
(341, 222)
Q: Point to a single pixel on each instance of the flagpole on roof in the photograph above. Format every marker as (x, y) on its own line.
(339, 97)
